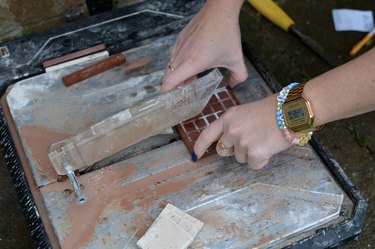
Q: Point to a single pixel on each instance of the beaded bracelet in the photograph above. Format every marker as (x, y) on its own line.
(293, 139)
(289, 135)
(280, 101)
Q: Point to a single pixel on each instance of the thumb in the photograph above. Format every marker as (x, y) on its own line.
(238, 74)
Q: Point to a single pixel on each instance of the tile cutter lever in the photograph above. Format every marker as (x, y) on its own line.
(130, 126)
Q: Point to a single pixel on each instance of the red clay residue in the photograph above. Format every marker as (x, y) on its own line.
(38, 142)
(123, 172)
(104, 192)
(136, 65)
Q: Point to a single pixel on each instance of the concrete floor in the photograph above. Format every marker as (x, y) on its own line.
(351, 141)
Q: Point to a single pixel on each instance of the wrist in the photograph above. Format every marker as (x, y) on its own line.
(321, 113)
(295, 115)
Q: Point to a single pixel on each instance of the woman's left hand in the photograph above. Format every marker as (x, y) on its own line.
(249, 132)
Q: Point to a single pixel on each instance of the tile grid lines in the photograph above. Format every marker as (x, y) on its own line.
(222, 99)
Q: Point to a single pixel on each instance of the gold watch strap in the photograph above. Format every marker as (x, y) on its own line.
(295, 92)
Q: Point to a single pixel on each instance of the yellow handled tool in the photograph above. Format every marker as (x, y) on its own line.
(362, 42)
(276, 15)
(273, 12)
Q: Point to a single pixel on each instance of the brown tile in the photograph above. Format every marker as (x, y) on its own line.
(228, 103)
(217, 107)
(223, 95)
(189, 126)
(211, 118)
(207, 110)
(94, 69)
(189, 130)
(201, 122)
(73, 55)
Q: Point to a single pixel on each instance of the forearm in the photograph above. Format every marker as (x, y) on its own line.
(229, 9)
(345, 91)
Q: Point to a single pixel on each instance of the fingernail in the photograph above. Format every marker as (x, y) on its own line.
(194, 157)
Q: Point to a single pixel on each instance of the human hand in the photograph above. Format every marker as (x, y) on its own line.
(249, 131)
(211, 39)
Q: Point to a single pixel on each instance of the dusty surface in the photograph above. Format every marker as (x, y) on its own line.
(352, 142)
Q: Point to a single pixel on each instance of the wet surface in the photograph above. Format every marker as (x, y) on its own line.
(352, 142)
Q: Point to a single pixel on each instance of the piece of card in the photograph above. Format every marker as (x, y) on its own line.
(165, 234)
(353, 20)
(172, 229)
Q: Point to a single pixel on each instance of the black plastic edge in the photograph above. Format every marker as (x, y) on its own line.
(336, 234)
(27, 203)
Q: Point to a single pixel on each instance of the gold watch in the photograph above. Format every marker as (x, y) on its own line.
(297, 111)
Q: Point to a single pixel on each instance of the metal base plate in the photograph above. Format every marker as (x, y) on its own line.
(240, 208)
(296, 201)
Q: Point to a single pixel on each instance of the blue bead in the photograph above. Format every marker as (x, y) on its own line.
(291, 85)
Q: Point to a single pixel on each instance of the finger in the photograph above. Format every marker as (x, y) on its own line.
(178, 75)
(208, 136)
(174, 52)
(257, 163)
(172, 58)
(240, 154)
(224, 147)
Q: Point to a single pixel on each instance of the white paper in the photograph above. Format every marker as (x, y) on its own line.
(354, 20)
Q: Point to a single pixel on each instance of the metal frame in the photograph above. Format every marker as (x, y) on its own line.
(27, 202)
(323, 238)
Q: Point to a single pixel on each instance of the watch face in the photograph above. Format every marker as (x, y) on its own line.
(297, 116)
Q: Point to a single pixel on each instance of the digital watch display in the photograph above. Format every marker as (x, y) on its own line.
(297, 112)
